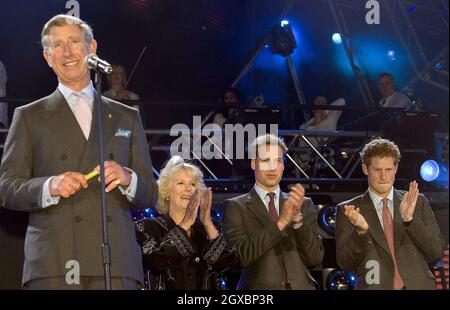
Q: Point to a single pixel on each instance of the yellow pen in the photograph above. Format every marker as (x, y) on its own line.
(91, 175)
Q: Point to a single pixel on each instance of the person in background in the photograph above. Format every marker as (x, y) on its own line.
(322, 120)
(391, 98)
(116, 83)
(228, 114)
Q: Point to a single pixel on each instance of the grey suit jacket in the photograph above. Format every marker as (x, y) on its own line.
(415, 245)
(269, 256)
(45, 140)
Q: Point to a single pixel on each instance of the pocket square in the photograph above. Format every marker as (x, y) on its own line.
(126, 133)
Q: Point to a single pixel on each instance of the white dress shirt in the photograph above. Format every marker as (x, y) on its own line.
(378, 204)
(263, 194)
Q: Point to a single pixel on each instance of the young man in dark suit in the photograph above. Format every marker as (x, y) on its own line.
(51, 144)
(386, 236)
(275, 233)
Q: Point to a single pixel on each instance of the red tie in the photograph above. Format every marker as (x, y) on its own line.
(388, 227)
(272, 211)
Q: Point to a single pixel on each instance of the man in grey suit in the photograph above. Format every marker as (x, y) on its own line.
(275, 233)
(387, 237)
(51, 145)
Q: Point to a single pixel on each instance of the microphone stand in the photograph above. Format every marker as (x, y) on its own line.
(106, 250)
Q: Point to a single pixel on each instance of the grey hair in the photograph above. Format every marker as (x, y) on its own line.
(173, 166)
(268, 139)
(61, 20)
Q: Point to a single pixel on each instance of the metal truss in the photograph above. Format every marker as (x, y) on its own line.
(435, 19)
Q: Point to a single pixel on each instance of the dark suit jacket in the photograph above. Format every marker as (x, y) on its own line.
(45, 140)
(267, 254)
(174, 260)
(415, 245)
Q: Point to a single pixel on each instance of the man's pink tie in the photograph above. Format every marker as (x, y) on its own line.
(83, 114)
(388, 226)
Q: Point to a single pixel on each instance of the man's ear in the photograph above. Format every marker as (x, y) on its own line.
(93, 47)
(365, 169)
(47, 58)
(253, 164)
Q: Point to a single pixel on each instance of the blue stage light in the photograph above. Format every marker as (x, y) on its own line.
(327, 219)
(284, 23)
(336, 37)
(391, 55)
(340, 280)
(429, 171)
(223, 283)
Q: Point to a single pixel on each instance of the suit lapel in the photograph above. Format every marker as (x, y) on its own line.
(369, 212)
(110, 121)
(399, 229)
(60, 117)
(257, 207)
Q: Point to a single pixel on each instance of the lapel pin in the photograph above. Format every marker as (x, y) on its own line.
(109, 115)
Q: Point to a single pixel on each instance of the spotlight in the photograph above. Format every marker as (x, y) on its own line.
(429, 170)
(284, 23)
(217, 214)
(438, 66)
(282, 40)
(340, 280)
(327, 219)
(223, 283)
(391, 55)
(433, 171)
(336, 37)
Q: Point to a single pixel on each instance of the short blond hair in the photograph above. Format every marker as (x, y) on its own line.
(168, 173)
(61, 20)
(380, 147)
(268, 139)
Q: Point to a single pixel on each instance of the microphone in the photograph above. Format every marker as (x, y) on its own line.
(94, 63)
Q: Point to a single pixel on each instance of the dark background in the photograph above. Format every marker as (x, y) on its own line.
(196, 48)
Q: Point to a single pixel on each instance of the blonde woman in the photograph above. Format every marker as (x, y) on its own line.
(116, 83)
(179, 249)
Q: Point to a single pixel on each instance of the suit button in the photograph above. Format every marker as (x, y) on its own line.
(78, 218)
(108, 218)
(63, 157)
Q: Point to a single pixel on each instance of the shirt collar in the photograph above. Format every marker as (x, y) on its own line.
(376, 199)
(262, 193)
(87, 91)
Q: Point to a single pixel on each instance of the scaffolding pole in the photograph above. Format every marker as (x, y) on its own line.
(358, 73)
